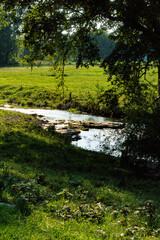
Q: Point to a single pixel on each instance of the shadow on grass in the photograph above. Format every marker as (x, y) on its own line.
(54, 154)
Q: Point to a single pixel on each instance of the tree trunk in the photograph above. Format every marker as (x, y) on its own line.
(6, 58)
(63, 65)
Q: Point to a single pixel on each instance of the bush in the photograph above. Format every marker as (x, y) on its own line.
(142, 137)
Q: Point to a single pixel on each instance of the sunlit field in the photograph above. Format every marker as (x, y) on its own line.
(77, 80)
(84, 89)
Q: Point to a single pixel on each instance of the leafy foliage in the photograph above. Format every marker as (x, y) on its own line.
(143, 138)
(48, 32)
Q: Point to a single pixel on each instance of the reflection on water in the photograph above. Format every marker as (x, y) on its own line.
(100, 140)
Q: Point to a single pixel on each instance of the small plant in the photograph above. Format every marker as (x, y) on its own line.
(5, 169)
(41, 179)
(23, 206)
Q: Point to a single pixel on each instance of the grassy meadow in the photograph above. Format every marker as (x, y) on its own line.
(85, 90)
(39, 87)
(42, 77)
(58, 191)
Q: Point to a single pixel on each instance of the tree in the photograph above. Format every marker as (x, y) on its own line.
(105, 45)
(8, 40)
(8, 46)
(48, 32)
(137, 46)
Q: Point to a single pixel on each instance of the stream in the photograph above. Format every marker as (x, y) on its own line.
(101, 140)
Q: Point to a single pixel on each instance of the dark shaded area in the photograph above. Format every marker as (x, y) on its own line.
(60, 156)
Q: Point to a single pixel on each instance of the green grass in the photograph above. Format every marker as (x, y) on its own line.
(78, 81)
(84, 89)
(62, 192)
(39, 87)
(43, 77)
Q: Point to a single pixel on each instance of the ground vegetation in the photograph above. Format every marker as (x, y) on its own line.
(50, 189)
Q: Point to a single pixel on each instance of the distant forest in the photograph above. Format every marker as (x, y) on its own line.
(12, 51)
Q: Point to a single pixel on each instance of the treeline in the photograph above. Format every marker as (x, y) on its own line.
(12, 51)
(8, 46)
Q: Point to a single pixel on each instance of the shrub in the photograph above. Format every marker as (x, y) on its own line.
(142, 137)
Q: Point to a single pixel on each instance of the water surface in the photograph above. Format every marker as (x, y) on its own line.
(58, 114)
(100, 140)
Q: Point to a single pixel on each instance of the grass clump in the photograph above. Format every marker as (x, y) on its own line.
(58, 191)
